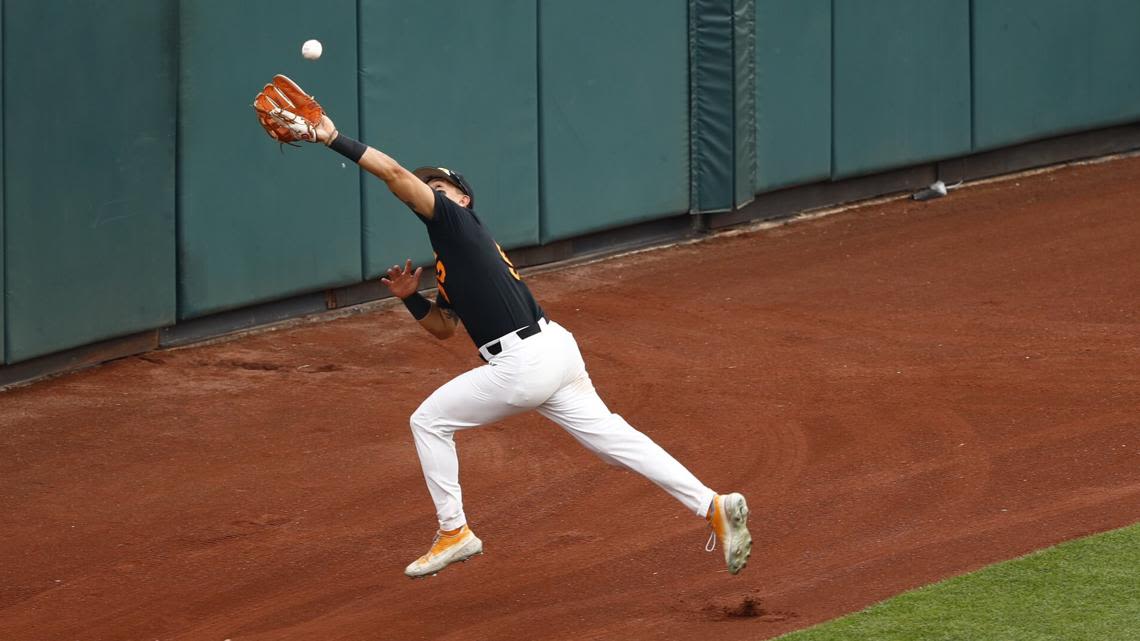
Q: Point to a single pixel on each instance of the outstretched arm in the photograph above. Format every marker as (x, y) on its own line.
(400, 181)
(403, 283)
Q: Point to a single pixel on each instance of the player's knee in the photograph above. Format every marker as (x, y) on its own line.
(423, 420)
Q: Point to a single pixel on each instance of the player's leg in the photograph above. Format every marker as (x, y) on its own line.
(578, 409)
(469, 400)
(474, 398)
(478, 397)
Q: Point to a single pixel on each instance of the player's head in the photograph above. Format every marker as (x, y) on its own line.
(451, 183)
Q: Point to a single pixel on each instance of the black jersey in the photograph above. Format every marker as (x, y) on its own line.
(475, 277)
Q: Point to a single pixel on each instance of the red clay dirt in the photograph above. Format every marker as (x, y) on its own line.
(905, 391)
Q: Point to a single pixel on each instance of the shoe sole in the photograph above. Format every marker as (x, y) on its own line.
(466, 551)
(740, 537)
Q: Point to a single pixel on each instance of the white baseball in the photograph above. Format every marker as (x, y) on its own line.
(312, 49)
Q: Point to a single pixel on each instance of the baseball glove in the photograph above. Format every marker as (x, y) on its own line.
(286, 112)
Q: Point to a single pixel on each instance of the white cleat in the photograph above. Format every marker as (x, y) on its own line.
(445, 550)
(729, 521)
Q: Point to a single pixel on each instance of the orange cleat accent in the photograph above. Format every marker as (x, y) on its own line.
(447, 548)
(729, 520)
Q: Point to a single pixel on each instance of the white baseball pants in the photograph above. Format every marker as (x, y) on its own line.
(544, 372)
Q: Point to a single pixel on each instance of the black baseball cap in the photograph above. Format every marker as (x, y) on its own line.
(454, 177)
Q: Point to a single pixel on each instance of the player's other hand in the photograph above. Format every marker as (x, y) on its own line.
(325, 129)
(403, 282)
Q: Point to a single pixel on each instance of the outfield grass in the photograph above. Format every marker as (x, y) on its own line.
(1084, 589)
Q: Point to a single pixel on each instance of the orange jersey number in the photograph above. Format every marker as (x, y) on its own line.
(510, 265)
(440, 277)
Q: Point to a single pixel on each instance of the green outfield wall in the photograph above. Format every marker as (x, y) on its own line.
(901, 83)
(257, 221)
(614, 112)
(137, 192)
(89, 198)
(793, 92)
(1048, 67)
(460, 93)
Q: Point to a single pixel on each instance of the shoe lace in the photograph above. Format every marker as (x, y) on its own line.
(434, 543)
(710, 545)
(438, 541)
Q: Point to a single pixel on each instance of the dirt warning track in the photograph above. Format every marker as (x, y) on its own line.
(904, 392)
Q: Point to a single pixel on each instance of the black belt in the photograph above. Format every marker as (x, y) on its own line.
(524, 333)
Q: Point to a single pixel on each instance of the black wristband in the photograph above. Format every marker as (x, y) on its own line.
(348, 147)
(417, 305)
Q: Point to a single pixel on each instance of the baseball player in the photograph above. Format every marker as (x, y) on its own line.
(531, 362)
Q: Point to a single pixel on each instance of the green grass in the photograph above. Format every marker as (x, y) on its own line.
(1084, 589)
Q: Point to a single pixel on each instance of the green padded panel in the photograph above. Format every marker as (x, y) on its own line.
(450, 83)
(614, 113)
(1048, 67)
(257, 221)
(901, 85)
(722, 76)
(712, 106)
(793, 92)
(744, 121)
(90, 204)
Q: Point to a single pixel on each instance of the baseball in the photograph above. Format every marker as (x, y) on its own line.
(312, 49)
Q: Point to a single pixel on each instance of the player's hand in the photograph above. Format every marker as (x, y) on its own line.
(325, 129)
(403, 282)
